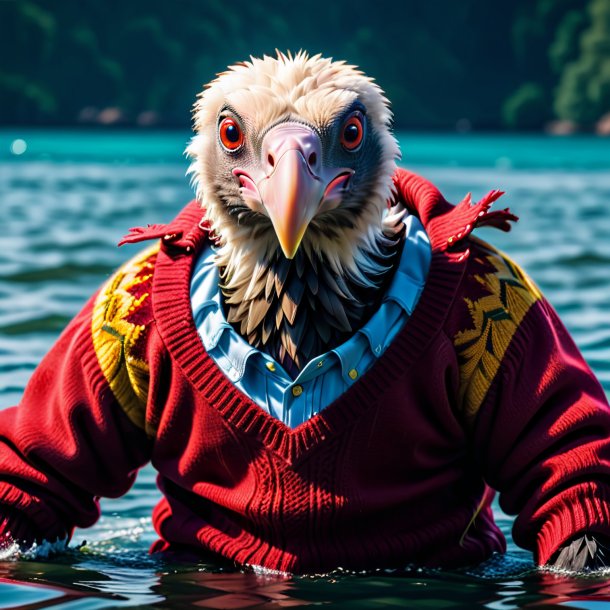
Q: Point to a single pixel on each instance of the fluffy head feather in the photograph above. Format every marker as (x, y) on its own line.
(347, 242)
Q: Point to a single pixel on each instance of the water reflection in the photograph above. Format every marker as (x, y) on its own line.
(98, 583)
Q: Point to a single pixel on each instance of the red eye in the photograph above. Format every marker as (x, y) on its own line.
(230, 134)
(352, 132)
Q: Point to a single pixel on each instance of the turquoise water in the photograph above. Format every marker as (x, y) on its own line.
(69, 197)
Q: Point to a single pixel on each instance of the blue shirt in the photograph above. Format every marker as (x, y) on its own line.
(327, 376)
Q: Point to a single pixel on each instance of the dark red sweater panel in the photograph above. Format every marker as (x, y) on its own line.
(394, 485)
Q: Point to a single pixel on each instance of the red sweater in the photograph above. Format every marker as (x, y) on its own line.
(483, 386)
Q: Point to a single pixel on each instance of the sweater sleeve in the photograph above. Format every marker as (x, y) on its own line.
(539, 418)
(81, 430)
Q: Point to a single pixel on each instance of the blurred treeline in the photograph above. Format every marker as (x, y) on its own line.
(445, 64)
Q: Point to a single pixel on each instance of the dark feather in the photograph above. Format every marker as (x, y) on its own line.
(299, 329)
(322, 328)
(279, 316)
(269, 285)
(288, 340)
(300, 263)
(281, 273)
(336, 284)
(289, 308)
(312, 280)
(335, 313)
(267, 328)
(295, 289)
(308, 342)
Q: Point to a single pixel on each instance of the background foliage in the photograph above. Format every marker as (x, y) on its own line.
(445, 64)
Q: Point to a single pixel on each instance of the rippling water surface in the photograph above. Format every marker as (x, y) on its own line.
(70, 196)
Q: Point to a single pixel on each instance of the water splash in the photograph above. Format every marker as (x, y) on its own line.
(11, 550)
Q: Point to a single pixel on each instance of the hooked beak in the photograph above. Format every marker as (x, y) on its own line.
(295, 186)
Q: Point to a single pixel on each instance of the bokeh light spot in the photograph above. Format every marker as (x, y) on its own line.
(19, 146)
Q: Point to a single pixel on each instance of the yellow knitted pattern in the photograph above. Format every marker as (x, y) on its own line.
(496, 317)
(114, 337)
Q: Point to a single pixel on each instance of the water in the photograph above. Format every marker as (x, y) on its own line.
(69, 197)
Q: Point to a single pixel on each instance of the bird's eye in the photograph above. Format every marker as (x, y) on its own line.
(231, 135)
(352, 132)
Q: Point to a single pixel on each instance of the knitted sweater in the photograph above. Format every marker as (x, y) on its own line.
(483, 388)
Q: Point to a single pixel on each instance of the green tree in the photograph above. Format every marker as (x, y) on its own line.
(583, 94)
(439, 61)
(27, 38)
(566, 44)
(528, 108)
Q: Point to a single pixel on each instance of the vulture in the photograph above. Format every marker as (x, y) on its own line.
(293, 158)
(307, 225)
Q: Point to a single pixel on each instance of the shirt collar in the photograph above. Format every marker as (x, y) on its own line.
(400, 299)
(350, 354)
(410, 277)
(404, 290)
(215, 332)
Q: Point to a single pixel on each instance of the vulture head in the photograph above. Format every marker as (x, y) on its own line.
(292, 161)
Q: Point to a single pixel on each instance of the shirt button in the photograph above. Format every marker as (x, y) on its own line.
(297, 390)
(321, 363)
(378, 349)
(353, 374)
(270, 366)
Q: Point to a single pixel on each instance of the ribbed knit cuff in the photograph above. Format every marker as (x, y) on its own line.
(15, 528)
(584, 508)
(26, 519)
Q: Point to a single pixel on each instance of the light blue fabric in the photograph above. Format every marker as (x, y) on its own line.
(327, 376)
